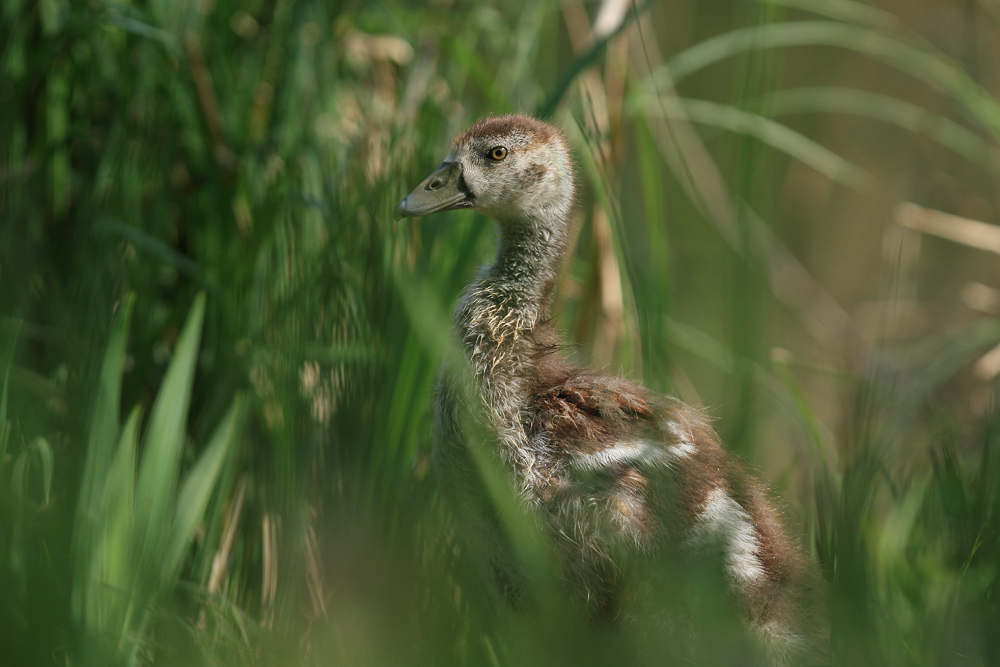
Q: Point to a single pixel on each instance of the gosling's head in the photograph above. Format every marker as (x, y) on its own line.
(510, 168)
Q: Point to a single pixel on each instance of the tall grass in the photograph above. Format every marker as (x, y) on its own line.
(196, 226)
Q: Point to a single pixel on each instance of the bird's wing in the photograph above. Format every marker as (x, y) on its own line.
(590, 412)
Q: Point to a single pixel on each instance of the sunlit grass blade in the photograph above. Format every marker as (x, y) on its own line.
(105, 550)
(196, 490)
(653, 284)
(919, 61)
(164, 440)
(410, 400)
(699, 176)
(889, 110)
(103, 567)
(117, 551)
(133, 537)
(105, 421)
(848, 11)
(774, 134)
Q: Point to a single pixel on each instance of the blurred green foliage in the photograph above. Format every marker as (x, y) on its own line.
(195, 223)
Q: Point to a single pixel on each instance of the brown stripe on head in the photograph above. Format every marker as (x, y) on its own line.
(531, 175)
(534, 131)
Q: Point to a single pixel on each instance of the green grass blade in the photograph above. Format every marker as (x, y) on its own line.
(105, 420)
(156, 248)
(919, 61)
(774, 134)
(847, 11)
(102, 554)
(461, 53)
(104, 596)
(551, 103)
(992, 8)
(119, 498)
(410, 393)
(164, 439)
(4, 389)
(701, 180)
(197, 489)
(888, 110)
(652, 280)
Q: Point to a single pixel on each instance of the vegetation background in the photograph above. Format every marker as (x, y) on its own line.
(217, 349)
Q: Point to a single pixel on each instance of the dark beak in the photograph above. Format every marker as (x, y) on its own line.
(443, 190)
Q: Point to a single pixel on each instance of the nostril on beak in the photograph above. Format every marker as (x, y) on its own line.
(435, 184)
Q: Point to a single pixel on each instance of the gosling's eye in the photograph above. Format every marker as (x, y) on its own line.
(498, 153)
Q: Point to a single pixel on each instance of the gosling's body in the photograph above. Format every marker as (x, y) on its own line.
(614, 472)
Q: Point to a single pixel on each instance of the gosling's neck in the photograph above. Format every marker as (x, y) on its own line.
(513, 295)
(529, 256)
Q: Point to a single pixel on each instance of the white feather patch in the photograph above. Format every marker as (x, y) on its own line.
(684, 447)
(682, 450)
(723, 522)
(621, 454)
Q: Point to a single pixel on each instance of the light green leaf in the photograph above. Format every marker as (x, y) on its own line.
(768, 131)
(889, 110)
(106, 564)
(164, 439)
(844, 10)
(104, 423)
(917, 60)
(197, 489)
(119, 530)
